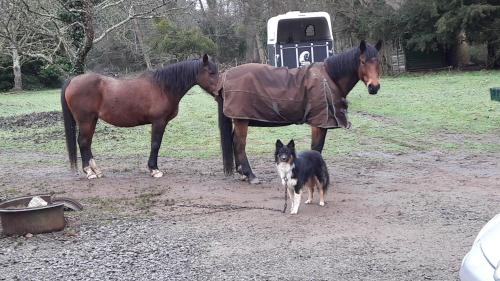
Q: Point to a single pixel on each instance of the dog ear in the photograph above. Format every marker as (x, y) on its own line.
(379, 45)
(291, 144)
(205, 59)
(279, 144)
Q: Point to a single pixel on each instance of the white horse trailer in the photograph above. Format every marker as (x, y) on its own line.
(295, 39)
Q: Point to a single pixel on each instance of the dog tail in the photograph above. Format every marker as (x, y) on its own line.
(325, 176)
(226, 138)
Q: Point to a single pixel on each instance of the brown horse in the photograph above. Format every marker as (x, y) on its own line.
(265, 96)
(152, 98)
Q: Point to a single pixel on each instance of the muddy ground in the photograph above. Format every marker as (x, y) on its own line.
(388, 217)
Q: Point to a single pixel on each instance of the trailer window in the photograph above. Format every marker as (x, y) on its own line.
(310, 30)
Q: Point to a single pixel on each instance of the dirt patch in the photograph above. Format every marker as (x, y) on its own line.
(388, 217)
(376, 117)
(33, 120)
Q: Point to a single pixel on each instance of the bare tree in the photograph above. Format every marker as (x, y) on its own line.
(23, 37)
(81, 24)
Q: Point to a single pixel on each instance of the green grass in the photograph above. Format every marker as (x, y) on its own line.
(444, 111)
(12, 104)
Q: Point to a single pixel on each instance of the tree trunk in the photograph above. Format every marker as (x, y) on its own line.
(140, 38)
(88, 27)
(251, 54)
(462, 56)
(492, 61)
(16, 66)
(260, 48)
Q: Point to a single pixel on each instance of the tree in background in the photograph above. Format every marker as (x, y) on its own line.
(180, 43)
(434, 24)
(81, 24)
(23, 38)
(129, 35)
(479, 20)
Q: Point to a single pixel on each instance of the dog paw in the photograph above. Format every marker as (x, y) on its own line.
(308, 201)
(322, 204)
(293, 212)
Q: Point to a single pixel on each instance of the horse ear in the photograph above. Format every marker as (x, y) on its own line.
(379, 45)
(205, 59)
(279, 144)
(291, 144)
(362, 46)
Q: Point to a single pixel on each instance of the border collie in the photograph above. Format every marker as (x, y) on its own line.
(296, 171)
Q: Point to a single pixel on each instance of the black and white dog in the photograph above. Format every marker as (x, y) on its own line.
(296, 171)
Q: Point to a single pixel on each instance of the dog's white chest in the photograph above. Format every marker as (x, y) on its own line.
(285, 172)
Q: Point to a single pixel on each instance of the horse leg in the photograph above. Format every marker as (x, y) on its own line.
(318, 136)
(85, 134)
(240, 141)
(237, 162)
(158, 128)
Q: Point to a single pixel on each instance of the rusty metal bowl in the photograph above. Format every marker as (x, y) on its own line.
(23, 220)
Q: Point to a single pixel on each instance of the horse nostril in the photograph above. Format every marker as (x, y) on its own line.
(373, 89)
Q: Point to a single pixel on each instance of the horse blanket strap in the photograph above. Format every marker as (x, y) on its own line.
(283, 96)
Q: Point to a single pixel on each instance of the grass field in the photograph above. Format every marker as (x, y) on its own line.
(445, 111)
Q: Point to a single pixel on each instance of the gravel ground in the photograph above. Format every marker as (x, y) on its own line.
(388, 217)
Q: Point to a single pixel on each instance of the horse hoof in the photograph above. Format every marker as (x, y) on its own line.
(89, 173)
(242, 177)
(254, 181)
(156, 173)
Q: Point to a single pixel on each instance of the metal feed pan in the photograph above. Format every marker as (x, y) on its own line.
(31, 220)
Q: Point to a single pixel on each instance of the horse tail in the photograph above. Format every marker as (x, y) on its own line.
(69, 127)
(226, 138)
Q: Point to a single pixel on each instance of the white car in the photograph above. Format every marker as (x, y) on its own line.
(482, 262)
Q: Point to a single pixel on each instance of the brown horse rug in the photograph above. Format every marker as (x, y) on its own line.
(279, 95)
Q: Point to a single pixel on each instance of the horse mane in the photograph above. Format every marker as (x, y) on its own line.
(347, 63)
(179, 77)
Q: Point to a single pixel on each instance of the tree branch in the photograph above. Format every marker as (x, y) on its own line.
(102, 7)
(132, 15)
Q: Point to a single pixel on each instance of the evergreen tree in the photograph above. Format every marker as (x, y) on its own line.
(434, 24)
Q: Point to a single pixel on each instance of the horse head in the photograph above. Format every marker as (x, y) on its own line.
(369, 66)
(208, 74)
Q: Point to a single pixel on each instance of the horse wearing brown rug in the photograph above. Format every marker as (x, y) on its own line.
(264, 96)
(152, 98)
